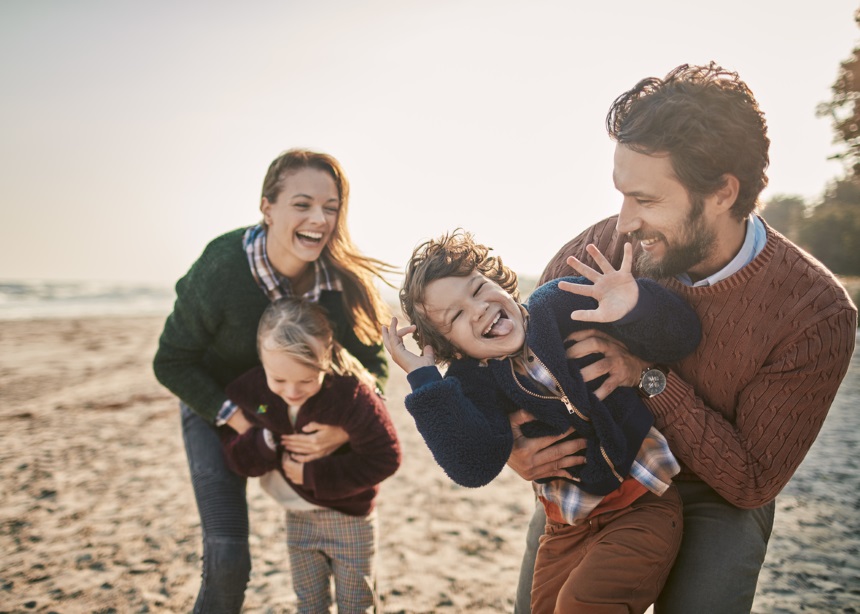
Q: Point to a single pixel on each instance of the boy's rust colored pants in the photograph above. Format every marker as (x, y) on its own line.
(616, 562)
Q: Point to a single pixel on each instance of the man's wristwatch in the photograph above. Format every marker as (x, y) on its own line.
(653, 381)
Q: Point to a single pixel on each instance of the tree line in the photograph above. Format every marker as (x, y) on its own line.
(830, 228)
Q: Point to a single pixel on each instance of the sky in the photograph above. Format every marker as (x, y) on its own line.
(133, 133)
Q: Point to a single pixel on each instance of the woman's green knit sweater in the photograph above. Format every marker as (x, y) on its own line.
(211, 336)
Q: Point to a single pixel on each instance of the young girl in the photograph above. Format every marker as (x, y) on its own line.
(306, 377)
(614, 524)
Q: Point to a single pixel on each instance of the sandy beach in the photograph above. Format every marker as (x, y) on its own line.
(97, 513)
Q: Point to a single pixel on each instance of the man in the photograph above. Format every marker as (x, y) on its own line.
(778, 329)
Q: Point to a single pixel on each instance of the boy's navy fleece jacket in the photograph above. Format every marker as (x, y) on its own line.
(346, 480)
(463, 417)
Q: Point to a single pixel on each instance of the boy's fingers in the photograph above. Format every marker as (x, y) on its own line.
(627, 258)
(583, 269)
(581, 289)
(386, 340)
(599, 258)
(405, 331)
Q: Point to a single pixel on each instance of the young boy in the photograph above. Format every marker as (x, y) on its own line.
(502, 356)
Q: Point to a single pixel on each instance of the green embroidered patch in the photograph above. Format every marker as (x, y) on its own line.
(262, 409)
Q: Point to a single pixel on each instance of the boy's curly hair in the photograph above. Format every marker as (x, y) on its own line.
(455, 254)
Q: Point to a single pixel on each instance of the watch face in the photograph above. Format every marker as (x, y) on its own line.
(653, 382)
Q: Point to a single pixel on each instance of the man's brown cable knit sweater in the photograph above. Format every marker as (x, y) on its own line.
(777, 336)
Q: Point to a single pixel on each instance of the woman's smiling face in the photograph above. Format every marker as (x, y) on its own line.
(476, 315)
(301, 220)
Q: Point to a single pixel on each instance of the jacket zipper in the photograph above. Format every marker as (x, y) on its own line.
(571, 408)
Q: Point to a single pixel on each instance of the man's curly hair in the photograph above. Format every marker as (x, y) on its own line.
(455, 254)
(707, 120)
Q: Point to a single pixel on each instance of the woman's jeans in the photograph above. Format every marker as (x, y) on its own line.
(223, 509)
(717, 568)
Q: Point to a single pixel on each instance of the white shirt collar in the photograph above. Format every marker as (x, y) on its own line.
(754, 242)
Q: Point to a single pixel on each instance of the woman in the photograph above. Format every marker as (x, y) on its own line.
(302, 248)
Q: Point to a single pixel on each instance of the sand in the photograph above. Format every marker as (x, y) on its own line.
(97, 513)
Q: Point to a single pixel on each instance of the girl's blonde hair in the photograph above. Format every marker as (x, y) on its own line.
(365, 309)
(290, 325)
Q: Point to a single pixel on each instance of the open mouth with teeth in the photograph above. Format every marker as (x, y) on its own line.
(309, 237)
(500, 326)
(647, 242)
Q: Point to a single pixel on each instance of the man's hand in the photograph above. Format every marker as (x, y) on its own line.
(315, 441)
(294, 469)
(616, 292)
(392, 339)
(624, 368)
(542, 457)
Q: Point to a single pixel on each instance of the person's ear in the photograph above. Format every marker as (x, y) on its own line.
(265, 208)
(725, 196)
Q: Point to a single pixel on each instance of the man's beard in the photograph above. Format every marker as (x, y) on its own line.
(697, 242)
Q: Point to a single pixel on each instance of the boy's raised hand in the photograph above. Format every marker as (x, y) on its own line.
(615, 291)
(392, 339)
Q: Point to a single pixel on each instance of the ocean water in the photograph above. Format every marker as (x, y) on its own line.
(20, 300)
(49, 299)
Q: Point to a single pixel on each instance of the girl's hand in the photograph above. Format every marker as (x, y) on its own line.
(294, 469)
(615, 291)
(392, 339)
(315, 441)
